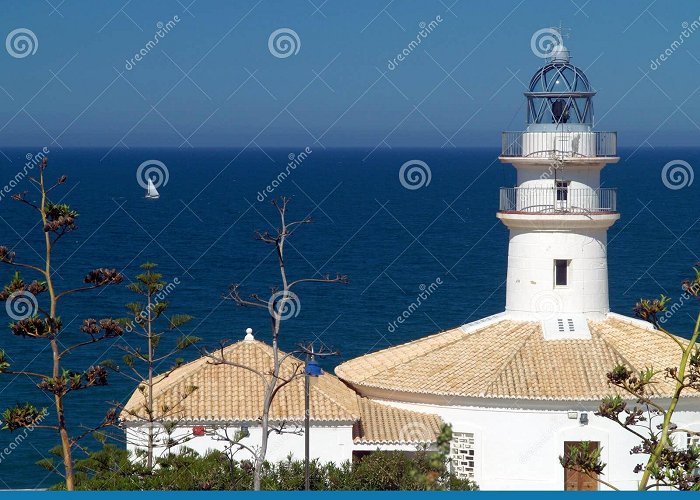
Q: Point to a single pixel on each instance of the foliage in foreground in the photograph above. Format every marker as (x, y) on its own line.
(664, 462)
(111, 469)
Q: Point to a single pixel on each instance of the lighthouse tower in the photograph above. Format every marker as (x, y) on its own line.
(557, 214)
(521, 387)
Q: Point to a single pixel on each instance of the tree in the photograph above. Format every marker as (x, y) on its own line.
(282, 304)
(286, 373)
(32, 320)
(144, 316)
(667, 465)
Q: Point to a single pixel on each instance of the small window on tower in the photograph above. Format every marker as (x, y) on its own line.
(561, 271)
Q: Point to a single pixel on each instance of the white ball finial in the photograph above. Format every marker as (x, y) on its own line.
(560, 54)
(249, 334)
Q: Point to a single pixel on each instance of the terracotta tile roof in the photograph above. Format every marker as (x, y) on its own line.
(233, 393)
(227, 393)
(382, 424)
(511, 359)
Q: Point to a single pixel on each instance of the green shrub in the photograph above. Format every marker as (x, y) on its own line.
(111, 469)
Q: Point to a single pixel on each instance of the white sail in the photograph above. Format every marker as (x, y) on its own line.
(152, 192)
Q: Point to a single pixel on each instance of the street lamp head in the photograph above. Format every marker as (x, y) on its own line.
(312, 368)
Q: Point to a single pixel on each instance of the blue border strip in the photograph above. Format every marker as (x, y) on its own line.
(344, 495)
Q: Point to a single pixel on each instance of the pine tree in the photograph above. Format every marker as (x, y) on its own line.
(142, 361)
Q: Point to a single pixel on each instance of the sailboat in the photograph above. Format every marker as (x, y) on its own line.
(151, 191)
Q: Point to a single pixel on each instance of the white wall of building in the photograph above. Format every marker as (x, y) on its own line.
(327, 443)
(519, 449)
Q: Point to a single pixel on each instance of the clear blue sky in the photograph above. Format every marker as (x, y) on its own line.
(70, 90)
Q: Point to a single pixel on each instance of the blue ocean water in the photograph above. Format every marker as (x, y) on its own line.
(389, 240)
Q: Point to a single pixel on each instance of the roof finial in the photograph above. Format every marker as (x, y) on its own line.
(563, 32)
(249, 335)
(559, 52)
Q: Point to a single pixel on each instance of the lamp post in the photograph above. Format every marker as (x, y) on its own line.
(312, 369)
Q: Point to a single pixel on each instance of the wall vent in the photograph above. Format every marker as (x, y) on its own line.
(462, 459)
(566, 327)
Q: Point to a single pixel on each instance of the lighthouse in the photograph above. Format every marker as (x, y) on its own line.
(523, 386)
(558, 214)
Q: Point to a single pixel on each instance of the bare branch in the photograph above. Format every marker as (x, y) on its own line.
(234, 295)
(29, 374)
(339, 278)
(76, 290)
(24, 266)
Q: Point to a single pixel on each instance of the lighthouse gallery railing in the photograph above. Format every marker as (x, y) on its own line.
(558, 200)
(559, 144)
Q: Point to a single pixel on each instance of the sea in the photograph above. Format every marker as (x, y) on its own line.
(428, 229)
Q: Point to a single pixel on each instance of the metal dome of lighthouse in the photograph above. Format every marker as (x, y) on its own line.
(559, 93)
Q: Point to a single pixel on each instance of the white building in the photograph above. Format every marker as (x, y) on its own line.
(207, 402)
(519, 386)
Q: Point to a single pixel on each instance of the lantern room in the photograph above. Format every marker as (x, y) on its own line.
(560, 95)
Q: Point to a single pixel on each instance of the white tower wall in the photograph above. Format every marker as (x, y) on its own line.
(530, 282)
(537, 144)
(542, 174)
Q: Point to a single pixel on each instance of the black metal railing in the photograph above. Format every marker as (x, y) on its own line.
(558, 200)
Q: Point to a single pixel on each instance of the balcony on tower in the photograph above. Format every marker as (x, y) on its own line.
(558, 199)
